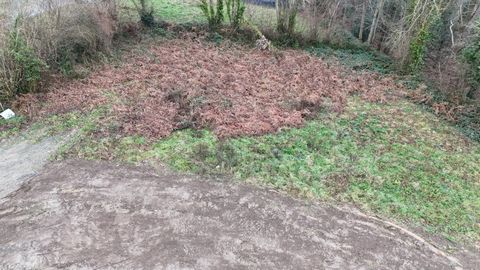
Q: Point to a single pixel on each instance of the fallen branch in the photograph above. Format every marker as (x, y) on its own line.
(451, 33)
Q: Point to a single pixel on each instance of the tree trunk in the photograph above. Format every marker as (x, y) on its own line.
(280, 8)
(474, 17)
(475, 8)
(277, 9)
(376, 17)
(362, 22)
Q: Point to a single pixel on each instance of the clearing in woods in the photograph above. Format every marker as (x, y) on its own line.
(291, 121)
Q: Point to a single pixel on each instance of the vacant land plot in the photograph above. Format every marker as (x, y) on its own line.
(286, 119)
(389, 156)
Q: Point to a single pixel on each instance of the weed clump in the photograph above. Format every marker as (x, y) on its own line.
(20, 67)
(53, 40)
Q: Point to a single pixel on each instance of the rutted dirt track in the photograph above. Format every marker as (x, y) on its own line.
(97, 215)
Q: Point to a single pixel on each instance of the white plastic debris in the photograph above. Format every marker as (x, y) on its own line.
(7, 114)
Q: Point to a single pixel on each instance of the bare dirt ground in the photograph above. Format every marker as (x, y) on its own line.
(98, 215)
(20, 160)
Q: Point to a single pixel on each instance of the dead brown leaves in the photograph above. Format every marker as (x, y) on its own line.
(231, 90)
(451, 111)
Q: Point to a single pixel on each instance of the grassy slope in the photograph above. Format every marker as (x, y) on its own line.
(392, 159)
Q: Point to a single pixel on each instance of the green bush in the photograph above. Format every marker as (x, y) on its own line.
(21, 68)
(214, 13)
(236, 12)
(418, 49)
(29, 66)
(52, 41)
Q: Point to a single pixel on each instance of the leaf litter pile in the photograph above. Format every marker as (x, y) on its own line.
(186, 83)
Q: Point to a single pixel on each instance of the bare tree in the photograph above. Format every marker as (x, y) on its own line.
(362, 20)
(376, 18)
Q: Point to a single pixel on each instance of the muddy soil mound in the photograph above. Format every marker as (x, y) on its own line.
(98, 215)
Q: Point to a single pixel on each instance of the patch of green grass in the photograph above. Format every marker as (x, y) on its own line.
(178, 11)
(91, 146)
(11, 127)
(188, 11)
(96, 137)
(174, 11)
(48, 126)
(396, 160)
(51, 125)
(355, 58)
